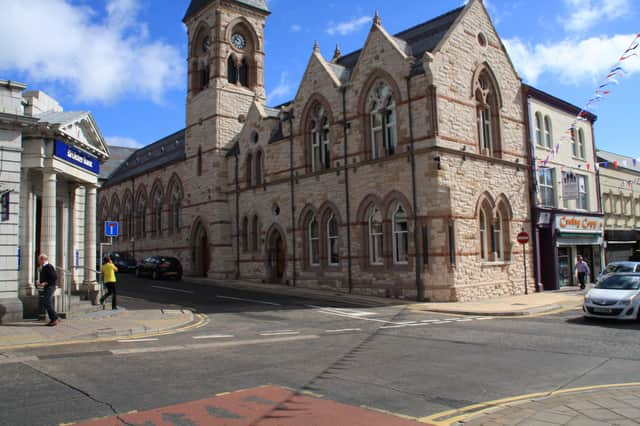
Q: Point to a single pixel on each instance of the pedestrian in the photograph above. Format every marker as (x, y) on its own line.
(48, 282)
(109, 273)
(582, 271)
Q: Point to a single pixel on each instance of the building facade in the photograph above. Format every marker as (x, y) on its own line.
(565, 197)
(620, 186)
(398, 170)
(50, 165)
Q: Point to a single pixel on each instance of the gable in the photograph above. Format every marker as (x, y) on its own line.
(381, 51)
(318, 75)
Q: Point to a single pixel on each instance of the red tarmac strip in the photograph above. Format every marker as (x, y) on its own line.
(264, 406)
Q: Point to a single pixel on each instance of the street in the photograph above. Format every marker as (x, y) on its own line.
(391, 359)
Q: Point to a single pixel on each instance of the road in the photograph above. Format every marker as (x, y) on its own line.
(388, 358)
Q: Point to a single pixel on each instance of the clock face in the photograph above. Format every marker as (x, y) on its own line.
(206, 44)
(238, 41)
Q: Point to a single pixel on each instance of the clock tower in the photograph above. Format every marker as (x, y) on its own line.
(226, 75)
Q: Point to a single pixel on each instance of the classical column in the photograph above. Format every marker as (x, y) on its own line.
(27, 237)
(48, 231)
(90, 234)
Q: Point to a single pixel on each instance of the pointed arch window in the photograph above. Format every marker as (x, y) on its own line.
(199, 162)
(313, 230)
(484, 255)
(128, 217)
(141, 213)
(333, 254)
(249, 170)
(258, 168)
(548, 134)
(376, 237)
(487, 116)
(232, 70)
(243, 73)
(319, 139)
(157, 214)
(175, 206)
(497, 237)
(255, 236)
(245, 234)
(382, 121)
(400, 236)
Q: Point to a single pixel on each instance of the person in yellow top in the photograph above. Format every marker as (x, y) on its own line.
(109, 273)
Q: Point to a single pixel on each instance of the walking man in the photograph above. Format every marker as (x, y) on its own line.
(48, 281)
(109, 273)
(582, 271)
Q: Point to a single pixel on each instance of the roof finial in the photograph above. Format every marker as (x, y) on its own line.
(316, 46)
(337, 53)
(376, 19)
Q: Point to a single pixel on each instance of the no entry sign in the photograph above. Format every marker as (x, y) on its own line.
(523, 237)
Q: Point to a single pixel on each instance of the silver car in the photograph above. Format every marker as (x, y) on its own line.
(617, 267)
(615, 296)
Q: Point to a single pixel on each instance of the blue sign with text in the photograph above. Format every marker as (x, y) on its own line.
(76, 157)
(111, 229)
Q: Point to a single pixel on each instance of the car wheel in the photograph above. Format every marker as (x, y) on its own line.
(154, 275)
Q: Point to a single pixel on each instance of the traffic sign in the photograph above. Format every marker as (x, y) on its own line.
(523, 237)
(111, 229)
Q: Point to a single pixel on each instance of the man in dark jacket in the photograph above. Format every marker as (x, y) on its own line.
(48, 281)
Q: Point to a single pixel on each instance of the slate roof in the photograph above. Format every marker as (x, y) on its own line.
(117, 155)
(417, 40)
(65, 117)
(159, 154)
(197, 5)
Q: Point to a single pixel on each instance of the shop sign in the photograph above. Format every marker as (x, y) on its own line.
(579, 224)
(76, 157)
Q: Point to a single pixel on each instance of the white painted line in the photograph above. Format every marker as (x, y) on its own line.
(442, 322)
(483, 318)
(344, 330)
(262, 302)
(280, 333)
(330, 311)
(147, 350)
(215, 336)
(431, 320)
(464, 320)
(18, 360)
(172, 289)
(138, 340)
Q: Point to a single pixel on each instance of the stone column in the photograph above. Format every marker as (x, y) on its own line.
(48, 231)
(90, 235)
(27, 237)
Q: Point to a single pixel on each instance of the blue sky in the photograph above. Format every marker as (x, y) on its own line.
(125, 60)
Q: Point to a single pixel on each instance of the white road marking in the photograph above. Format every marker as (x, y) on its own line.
(279, 333)
(173, 289)
(215, 336)
(483, 318)
(331, 311)
(343, 330)
(262, 302)
(138, 340)
(212, 345)
(464, 320)
(17, 360)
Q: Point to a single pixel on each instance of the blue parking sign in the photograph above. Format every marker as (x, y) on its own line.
(111, 229)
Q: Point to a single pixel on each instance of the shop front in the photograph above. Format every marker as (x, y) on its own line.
(561, 241)
(621, 245)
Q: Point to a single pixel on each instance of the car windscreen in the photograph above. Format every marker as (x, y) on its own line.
(620, 282)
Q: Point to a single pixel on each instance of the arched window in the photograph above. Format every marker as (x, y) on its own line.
(497, 237)
(245, 234)
(548, 135)
(156, 227)
(574, 141)
(487, 109)
(376, 238)
(128, 217)
(581, 144)
(141, 213)
(258, 168)
(400, 236)
(382, 121)
(243, 73)
(205, 75)
(255, 236)
(199, 162)
(539, 140)
(313, 230)
(319, 139)
(333, 254)
(232, 70)
(200, 71)
(175, 206)
(484, 254)
(249, 170)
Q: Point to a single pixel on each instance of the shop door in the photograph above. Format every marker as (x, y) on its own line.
(587, 254)
(565, 277)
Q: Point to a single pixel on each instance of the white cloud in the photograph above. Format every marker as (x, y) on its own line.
(97, 59)
(295, 28)
(123, 141)
(571, 61)
(282, 90)
(348, 27)
(587, 13)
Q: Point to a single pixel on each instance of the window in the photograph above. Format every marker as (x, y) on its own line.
(249, 170)
(539, 129)
(452, 244)
(582, 201)
(332, 241)
(400, 236)
(376, 236)
(425, 244)
(258, 168)
(546, 187)
(128, 218)
(175, 208)
(243, 73)
(487, 109)
(254, 234)
(141, 218)
(574, 142)
(314, 242)
(157, 213)
(548, 135)
(382, 116)
(581, 145)
(498, 253)
(232, 70)
(319, 136)
(245, 234)
(483, 236)
(199, 162)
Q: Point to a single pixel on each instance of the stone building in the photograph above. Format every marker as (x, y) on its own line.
(401, 169)
(565, 198)
(620, 187)
(49, 165)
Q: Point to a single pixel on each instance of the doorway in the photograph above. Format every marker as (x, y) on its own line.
(277, 257)
(201, 253)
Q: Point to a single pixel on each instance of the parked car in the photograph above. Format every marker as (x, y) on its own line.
(615, 296)
(123, 261)
(616, 267)
(158, 267)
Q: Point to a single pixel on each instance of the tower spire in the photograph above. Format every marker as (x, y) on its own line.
(376, 19)
(337, 53)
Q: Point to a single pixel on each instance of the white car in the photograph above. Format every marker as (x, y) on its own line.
(617, 267)
(615, 296)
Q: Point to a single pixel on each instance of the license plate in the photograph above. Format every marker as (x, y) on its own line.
(602, 310)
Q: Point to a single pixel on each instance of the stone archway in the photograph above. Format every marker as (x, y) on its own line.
(276, 256)
(201, 255)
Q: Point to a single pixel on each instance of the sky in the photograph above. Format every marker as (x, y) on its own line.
(125, 60)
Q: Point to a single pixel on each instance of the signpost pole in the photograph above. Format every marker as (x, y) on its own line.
(523, 239)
